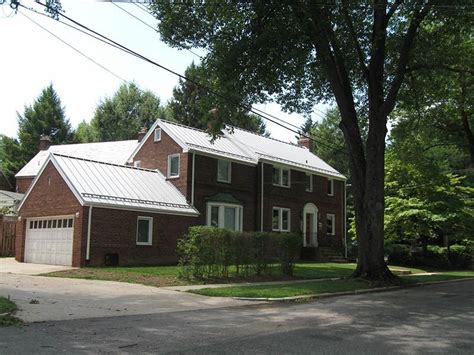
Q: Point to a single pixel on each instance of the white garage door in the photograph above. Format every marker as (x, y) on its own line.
(49, 240)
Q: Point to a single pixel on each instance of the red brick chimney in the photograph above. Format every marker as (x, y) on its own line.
(141, 134)
(44, 142)
(305, 142)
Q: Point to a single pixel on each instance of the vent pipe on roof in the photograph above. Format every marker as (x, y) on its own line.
(44, 142)
(142, 134)
(305, 142)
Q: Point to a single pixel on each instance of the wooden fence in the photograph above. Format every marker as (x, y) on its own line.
(7, 235)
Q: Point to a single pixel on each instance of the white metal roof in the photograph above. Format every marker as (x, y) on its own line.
(244, 146)
(109, 152)
(118, 186)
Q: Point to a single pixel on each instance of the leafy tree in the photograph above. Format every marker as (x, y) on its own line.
(121, 116)
(192, 105)
(86, 133)
(302, 52)
(12, 158)
(46, 116)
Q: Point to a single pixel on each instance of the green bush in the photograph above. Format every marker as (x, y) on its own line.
(209, 252)
(460, 256)
(398, 254)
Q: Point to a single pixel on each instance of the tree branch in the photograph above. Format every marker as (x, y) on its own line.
(392, 10)
(353, 34)
(390, 100)
(439, 66)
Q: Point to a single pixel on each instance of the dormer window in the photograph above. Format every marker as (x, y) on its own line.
(157, 135)
(281, 176)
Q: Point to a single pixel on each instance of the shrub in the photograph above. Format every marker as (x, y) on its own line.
(460, 256)
(399, 254)
(210, 252)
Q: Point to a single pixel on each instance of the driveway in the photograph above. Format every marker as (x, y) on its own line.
(11, 266)
(41, 298)
(424, 320)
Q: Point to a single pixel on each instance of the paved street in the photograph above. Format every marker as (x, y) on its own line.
(431, 319)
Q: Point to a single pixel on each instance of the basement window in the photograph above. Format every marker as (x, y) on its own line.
(144, 230)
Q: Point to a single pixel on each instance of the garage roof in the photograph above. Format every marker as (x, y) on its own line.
(109, 152)
(119, 186)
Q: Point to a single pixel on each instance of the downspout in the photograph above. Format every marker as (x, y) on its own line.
(89, 222)
(261, 200)
(345, 219)
(192, 180)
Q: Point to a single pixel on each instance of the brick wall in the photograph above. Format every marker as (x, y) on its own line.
(154, 155)
(23, 183)
(114, 231)
(52, 197)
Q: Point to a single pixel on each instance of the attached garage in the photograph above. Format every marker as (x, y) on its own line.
(49, 240)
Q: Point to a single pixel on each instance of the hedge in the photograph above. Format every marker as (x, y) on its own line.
(209, 252)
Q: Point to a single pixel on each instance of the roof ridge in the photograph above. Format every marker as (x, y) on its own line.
(84, 143)
(104, 163)
(261, 135)
(183, 125)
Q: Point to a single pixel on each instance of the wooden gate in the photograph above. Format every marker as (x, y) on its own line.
(7, 235)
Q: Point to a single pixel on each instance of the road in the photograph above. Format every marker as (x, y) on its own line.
(430, 319)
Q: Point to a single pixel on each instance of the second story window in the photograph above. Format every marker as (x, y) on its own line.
(224, 171)
(309, 182)
(173, 165)
(330, 187)
(157, 135)
(281, 176)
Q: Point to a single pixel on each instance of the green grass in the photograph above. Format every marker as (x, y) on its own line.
(7, 307)
(318, 287)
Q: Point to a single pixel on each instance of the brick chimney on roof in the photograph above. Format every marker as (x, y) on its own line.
(141, 134)
(44, 142)
(305, 142)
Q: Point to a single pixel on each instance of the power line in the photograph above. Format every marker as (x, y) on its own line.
(72, 47)
(131, 52)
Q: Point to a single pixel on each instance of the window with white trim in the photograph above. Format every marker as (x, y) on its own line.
(281, 219)
(330, 187)
(309, 182)
(281, 176)
(225, 215)
(144, 230)
(173, 165)
(137, 163)
(331, 224)
(157, 135)
(224, 171)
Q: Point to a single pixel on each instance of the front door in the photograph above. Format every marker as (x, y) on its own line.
(309, 229)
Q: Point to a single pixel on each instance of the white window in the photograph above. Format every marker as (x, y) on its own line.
(281, 219)
(144, 230)
(224, 171)
(281, 176)
(173, 165)
(331, 224)
(225, 215)
(157, 135)
(309, 182)
(137, 164)
(330, 187)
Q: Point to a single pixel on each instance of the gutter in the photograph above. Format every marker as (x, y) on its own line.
(192, 179)
(261, 199)
(89, 223)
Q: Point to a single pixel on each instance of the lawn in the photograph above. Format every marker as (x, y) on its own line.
(169, 275)
(7, 307)
(319, 287)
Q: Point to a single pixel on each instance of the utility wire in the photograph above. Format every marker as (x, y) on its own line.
(131, 52)
(72, 47)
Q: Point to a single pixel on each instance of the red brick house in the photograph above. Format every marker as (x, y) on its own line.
(132, 205)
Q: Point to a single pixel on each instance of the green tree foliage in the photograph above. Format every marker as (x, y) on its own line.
(121, 116)
(302, 52)
(191, 104)
(45, 116)
(85, 133)
(11, 158)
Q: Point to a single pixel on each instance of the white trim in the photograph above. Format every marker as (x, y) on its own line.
(89, 224)
(194, 212)
(238, 217)
(193, 171)
(331, 181)
(261, 198)
(150, 230)
(280, 176)
(333, 223)
(280, 219)
(168, 168)
(229, 170)
(310, 182)
(137, 164)
(155, 131)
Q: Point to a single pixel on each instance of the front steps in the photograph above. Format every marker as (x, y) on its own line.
(327, 254)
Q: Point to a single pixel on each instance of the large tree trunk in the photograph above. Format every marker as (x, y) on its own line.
(465, 118)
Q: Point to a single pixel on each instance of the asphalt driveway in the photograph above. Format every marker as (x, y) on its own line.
(42, 298)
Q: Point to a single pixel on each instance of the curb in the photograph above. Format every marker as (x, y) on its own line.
(348, 293)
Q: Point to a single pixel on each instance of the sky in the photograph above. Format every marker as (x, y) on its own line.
(32, 59)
